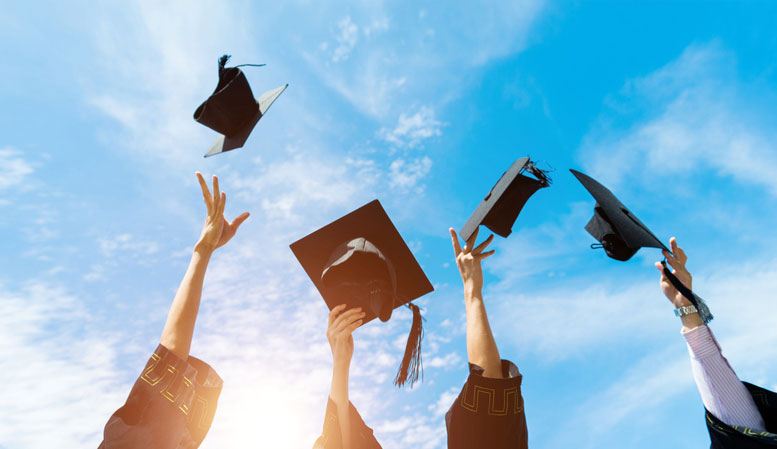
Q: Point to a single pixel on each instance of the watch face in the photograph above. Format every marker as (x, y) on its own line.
(687, 310)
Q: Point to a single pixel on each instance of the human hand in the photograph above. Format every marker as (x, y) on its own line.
(217, 231)
(468, 260)
(342, 323)
(678, 263)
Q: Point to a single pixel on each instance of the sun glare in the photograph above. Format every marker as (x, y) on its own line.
(268, 414)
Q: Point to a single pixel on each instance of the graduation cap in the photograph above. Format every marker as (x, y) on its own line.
(232, 109)
(621, 234)
(362, 261)
(500, 208)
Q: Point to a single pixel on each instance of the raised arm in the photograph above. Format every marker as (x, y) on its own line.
(217, 231)
(343, 427)
(342, 323)
(722, 393)
(481, 347)
(488, 411)
(677, 262)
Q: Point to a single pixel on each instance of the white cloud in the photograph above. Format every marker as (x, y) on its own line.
(346, 39)
(418, 431)
(588, 317)
(414, 60)
(646, 386)
(443, 404)
(407, 175)
(378, 25)
(411, 130)
(96, 273)
(697, 119)
(126, 243)
(640, 308)
(59, 375)
(448, 361)
(14, 169)
(305, 178)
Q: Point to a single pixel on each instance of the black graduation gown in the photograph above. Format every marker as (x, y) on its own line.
(171, 405)
(488, 413)
(361, 435)
(723, 436)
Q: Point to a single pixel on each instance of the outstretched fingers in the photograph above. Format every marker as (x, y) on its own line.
(471, 242)
(678, 252)
(478, 249)
(205, 192)
(676, 261)
(239, 220)
(482, 256)
(222, 204)
(456, 244)
(216, 191)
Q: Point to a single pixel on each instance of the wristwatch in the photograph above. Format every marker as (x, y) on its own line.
(687, 310)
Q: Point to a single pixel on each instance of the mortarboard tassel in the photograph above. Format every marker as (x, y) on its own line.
(411, 362)
(540, 174)
(222, 62)
(701, 306)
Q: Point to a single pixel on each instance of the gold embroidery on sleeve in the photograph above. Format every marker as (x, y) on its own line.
(200, 412)
(472, 395)
(176, 387)
(189, 392)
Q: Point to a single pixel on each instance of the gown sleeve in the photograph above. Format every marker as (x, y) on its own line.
(725, 436)
(488, 412)
(171, 405)
(361, 435)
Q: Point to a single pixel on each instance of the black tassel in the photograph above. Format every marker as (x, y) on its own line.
(222, 62)
(540, 174)
(701, 306)
(411, 362)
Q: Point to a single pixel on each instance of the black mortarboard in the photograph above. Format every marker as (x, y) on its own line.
(232, 110)
(621, 234)
(362, 261)
(500, 208)
(617, 229)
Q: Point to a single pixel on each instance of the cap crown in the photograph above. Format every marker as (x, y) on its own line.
(500, 208)
(618, 230)
(362, 248)
(361, 276)
(231, 106)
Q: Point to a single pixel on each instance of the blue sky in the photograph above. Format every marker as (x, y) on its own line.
(670, 104)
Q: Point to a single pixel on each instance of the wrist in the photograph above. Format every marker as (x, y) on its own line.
(203, 249)
(681, 301)
(473, 291)
(691, 321)
(342, 364)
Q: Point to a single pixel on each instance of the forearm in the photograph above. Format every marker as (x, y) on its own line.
(179, 327)
(481, 346)
(691, 321)
(339, 395)
(722, 393)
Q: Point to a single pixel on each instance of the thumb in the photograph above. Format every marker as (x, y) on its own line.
(240, 219)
